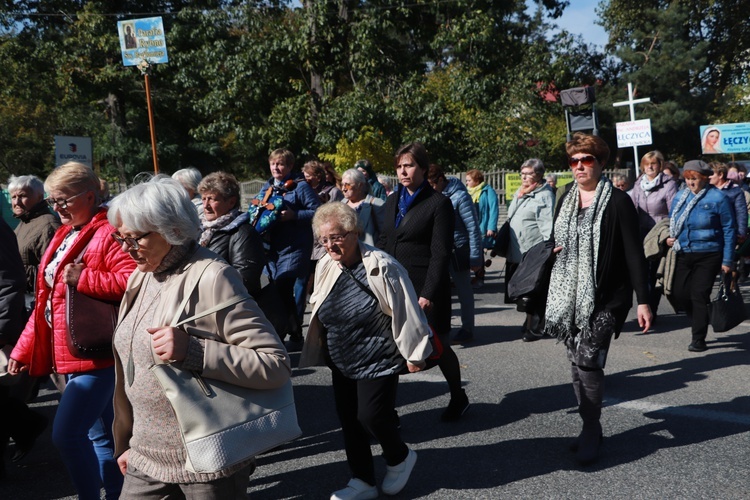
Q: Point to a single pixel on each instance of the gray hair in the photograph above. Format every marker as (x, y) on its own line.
(30, 182)
(551, 177)
(340, 214)
(358, 178)
(160, 205)
(188, 177)
(536, 164)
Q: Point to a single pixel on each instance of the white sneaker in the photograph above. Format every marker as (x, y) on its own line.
(356, 489)
(397, 476)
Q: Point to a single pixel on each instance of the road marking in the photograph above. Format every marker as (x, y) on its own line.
(682, 411)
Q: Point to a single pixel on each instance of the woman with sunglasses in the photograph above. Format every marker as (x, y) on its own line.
(599, 263)
(81, 254)
(702, 233)
(370, 209)
(367, 326)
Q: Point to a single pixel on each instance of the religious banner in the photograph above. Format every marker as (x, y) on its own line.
(725, 138)
(142, 40)
(634, 133)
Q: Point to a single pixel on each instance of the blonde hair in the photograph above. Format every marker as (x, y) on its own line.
(75, 177)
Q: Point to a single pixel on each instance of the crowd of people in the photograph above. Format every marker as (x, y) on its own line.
(377, 266)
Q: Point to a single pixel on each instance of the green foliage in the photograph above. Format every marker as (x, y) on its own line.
(370, 144)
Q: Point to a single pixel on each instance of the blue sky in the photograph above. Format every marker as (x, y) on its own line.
(579, 18)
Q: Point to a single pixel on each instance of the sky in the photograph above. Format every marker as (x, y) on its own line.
(579, 17)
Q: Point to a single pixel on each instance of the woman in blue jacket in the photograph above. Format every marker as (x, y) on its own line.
(701, 231)
(485, 199)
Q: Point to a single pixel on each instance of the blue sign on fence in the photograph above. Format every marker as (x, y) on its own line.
(142, 39)
(725, 138)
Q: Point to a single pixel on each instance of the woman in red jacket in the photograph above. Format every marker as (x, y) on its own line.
(84, 255)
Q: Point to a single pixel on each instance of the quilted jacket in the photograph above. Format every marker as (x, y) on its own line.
(106, 272)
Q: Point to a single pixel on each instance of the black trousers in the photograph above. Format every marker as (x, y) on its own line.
(694, 277)
(367, 408)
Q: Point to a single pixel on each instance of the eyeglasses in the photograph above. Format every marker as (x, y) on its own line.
(527, 174)
(587, 161)
(333, 239)
(130, 242)
(346, 185)
(62, 203)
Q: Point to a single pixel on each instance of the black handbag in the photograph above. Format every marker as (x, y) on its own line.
(269, 301)
(727, 309)
(502, 240)
(531, 279)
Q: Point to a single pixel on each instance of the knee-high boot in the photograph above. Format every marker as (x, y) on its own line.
(590, 410)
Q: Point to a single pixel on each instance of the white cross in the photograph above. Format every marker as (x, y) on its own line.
(631, 103)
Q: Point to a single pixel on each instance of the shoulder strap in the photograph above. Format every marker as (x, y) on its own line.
(218, 307)
(359, 283)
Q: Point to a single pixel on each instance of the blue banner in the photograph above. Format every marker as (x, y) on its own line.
(725, 138)
(142, 39)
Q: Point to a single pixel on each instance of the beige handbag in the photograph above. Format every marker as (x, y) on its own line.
(224, 424)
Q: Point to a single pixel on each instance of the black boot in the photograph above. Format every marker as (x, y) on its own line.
(590, 409)
(577, 390)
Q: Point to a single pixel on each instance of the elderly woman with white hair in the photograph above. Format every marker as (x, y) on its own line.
(367, 326)
(177, 278)
(37, 226)
(530, 214)
(190, 178)
(370, 209)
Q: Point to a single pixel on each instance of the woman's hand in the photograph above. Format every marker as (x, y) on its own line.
(170, 344)
(72, 273)
(415, 367)
(726, 269)
(287, 215)
(557, 250)
(425, 304)
(15, 367)
(491, 233)
(670, 242)
(122, 462)
(644, 317)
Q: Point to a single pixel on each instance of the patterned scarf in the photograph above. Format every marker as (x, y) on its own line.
(677, 222)
(476, 191)
(647, 186)
(210, 227)
(572, 288)
(405, 200)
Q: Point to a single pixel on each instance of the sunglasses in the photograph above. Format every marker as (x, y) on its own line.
(587, 161)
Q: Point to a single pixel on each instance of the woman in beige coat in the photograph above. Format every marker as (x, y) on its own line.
(158, 226)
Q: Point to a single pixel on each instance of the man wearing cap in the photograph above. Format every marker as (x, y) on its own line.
(702, 233)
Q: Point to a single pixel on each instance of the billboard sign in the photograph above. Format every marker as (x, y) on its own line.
(634, 133)
(78, 149)
(142, 40)
(725, 138)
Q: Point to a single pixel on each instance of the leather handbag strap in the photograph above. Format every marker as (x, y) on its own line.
(218, 307)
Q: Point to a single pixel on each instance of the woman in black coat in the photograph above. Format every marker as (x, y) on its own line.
(226, 230)
(599, 263)
(418, 232)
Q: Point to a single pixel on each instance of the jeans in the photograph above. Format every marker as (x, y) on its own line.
(465, 292)
(82, 433)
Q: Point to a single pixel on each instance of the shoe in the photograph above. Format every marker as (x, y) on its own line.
(462, 336)
(294, 345)
(698, 346)
(24, 446)
(531, 336)
(456, 408)
(574, 445)
(397, 476)
(589, 443)
(356, 489)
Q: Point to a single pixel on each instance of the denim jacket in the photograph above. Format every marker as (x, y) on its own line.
(710, 225)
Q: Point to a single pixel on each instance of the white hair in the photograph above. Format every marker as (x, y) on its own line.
(31, 182)
(188, 177)
(160, 205)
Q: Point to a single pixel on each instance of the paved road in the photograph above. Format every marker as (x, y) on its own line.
(677, 424)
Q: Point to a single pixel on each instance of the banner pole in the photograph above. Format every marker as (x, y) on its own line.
(151, 123)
